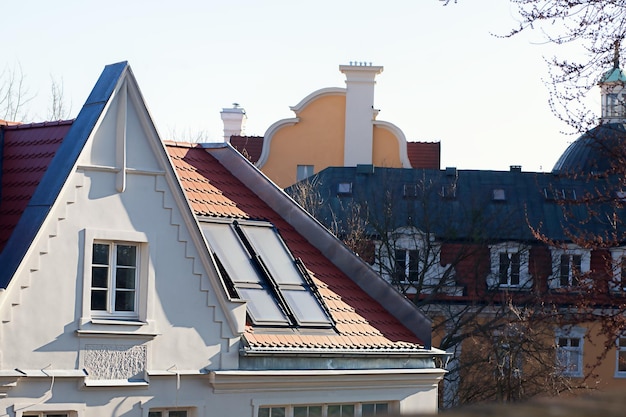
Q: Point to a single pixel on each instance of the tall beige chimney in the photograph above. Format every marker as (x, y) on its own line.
(360, 112)
(234, 120)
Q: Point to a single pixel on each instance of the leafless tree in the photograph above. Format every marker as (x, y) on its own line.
(58, 107)
(14, 95)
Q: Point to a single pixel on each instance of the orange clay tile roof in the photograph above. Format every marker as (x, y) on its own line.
(249, 146)
(27, 150)
(361, 322)
(424, 155)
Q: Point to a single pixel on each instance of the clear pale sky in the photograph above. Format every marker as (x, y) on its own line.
(446, 77)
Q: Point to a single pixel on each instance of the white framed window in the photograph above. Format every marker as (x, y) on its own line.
(406, 265)
(304, 172)
(117, 271)
(569, 351)
(411, 259)
(114, 278)
(620, 356)
(509, 266)
(618, 267)
(569, 267)
(326, 410)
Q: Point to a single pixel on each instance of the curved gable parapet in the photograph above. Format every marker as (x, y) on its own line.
(269, 134)
(399, 135)
(330, 91)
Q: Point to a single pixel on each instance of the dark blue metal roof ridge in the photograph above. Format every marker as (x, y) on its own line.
(58, 171)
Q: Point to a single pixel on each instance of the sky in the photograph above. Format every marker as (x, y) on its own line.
(447, 76)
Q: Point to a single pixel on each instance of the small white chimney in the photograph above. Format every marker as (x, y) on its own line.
(234, 120)
(360, 112)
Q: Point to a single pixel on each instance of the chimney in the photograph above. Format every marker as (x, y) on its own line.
(234, 120)
(360, 112)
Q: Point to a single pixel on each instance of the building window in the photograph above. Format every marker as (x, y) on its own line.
(569, 270)
(406, 265)
(256, 262)
(344, 188)
(570, 266)
(618, 281)
(509, 266)
(167, 413)
(329, 410)
(374, 409)
(303, 172)
(569, 351)
(620, 365)
(114, 278)
(508, 271)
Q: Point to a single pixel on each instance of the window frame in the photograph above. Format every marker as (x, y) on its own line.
(112, 290)
(620, 349)
(524, 279)
(618, 266)
(289, 409)
(407, 269)
(571, 333)
(144, 276)
(571, 251)
(260, 276)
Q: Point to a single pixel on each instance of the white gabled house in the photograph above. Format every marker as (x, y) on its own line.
(139, 278)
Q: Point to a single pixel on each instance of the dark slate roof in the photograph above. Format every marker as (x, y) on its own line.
(458, 204)
(597, 151)
(56, 173)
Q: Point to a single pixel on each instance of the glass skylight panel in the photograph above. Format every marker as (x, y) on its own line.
(223, 240)
(265, 274)
(273, 252)
(305, 307)
(262, 307)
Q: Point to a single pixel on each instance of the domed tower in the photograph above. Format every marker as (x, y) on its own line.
(597, 151)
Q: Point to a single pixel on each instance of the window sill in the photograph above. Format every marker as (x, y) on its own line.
(106, 327)
(104, 383)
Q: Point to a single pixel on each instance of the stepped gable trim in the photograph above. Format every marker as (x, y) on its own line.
(331, 247)
(58, 171)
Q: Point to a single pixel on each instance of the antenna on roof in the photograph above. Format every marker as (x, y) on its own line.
(616, 54)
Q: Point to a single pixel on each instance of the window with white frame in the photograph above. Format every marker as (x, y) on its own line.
(114, 278)
(406, 265)
(303, 172)
(509, 266)
(618, 281)
(117, 271)
(570, 265)
(326, 410)
(569, 351)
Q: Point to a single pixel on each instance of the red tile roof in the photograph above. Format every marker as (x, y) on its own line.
(27, 150)
(249, 146)
(424, 155)
(361, 322)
